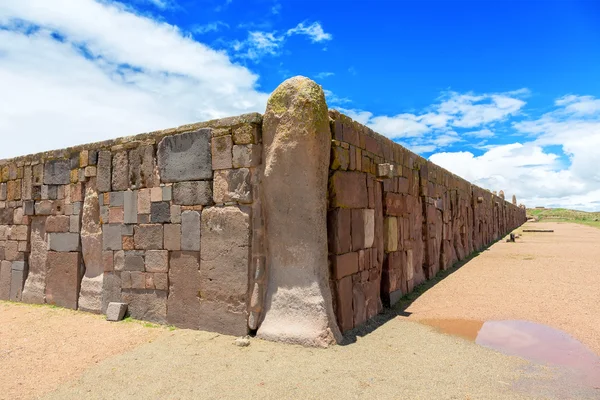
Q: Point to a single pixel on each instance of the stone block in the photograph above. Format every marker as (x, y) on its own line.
(111, 237)
(3, 192)
(116, 311)
(172, 237)
(160, 212)
(369, 219)
(390, 234)
(141, 167)
(395, 204)
(157, 261)
(190, 230)
(5, 279)
(138, 280)
(146, 305)
(345, 314)
(128, 243)
(103, 173)
(185, 157)
(6, 216)
(245, 156)
(183, 308)
(62, 279)
(115, 215)
(345, 265)
(133, 262)
(108, 261)
(222, 152)
(245, 134)
(143, 206)
(29, 207)
(19, 232)
(63, 242)
(358, 229)
(26, 191)
(92, 157)
(167, 193)
(117, 199)
(120, 171)
(18, 275)
(126, 280)
(148, 237)
(52, 192)
(57, 172)
(11, 251)
(149, 280)
(156, 194)
(58, 223)
(225, 246)
(217, 316)
(233, 185)
(13, 190)
(130, 203)
(38, 174)
(161, 282)
(192, 193)
(348, 190)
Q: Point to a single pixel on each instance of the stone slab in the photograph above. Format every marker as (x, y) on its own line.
(116, 311)
(146, 305)
(192, 193)
(185, 157)
(57, 172)
(63, 242)
(190, 230)
(63, 278)
(185, 290)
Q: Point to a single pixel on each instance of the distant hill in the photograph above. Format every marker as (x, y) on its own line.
(564, 215)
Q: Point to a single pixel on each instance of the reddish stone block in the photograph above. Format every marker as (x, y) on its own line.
(63, 279)
(185, 294)
(358, 229)
(340, 223)
(352, 161)
(350, 135)
(58, 223)
(345, 265)
(344, 300)
(359, 305)
(348, 190)
(395, 204)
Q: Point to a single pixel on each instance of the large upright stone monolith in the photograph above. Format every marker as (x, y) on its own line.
(297, 143)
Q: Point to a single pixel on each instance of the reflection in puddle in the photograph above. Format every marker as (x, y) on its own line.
(535, 342)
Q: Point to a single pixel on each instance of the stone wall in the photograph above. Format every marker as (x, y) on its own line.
(396, 220)
(161, 221)
(201, 228)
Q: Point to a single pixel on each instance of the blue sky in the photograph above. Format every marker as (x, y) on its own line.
(505, 94)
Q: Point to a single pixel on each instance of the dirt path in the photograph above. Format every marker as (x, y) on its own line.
(548, 278)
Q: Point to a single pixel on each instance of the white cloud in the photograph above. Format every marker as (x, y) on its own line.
(333, 99)
(113, 73)
(482, 133)
(276, 9)
(314, 31)
(210, 27)
(259, 43)
(323, 75)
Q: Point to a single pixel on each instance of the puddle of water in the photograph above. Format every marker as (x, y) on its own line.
(534, 342)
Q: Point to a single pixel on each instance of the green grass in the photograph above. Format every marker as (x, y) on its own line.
(565, 215)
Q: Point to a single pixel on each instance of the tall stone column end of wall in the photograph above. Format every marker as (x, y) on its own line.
(297, 143)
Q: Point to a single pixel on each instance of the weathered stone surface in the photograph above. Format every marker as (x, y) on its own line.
(5, 279)
(299, 305)
(345, 265)
(58, 223)
(185, 157)
(190, 230)
(148, 237)
(157, 261)
(233, 185)
(63, 242)
(192, 193)
(38, 174)
(141, 167)
(103, 176)
(147, 305)
(111, 237)
(185, 289)
(2, 191)
(90, 298)
(348, 190)
(369, 219)
(116, 311)
(62, 279)
(6, 216)
(27, 190)
(173, 237)
(57, 172)
(220, 317)
(19, 232)
(138, 280)
(358, 229)
(246, 134)
(167, 193)
(120, 171)
(248, 155)
(345, 314)
(11, 251)
(144, 204)
(390, 234)
(222, 152)
(160, 212)
(35, 286)
(74, 224)
(18, 275)
(117, 199)
(133, 262)
(111, 289)
(156, 194)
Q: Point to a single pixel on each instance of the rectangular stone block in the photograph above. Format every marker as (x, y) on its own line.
(167, 193)
(339, 230)
(146, 305)
(138, 280)
(246, 134)
(233, 185)
(115, 215)
(185, 157)
(134, 262)
(108, 261)
(369, 219)
(111, 237)
(358, 229)
(390, 234)
(348, 190)
(161, 282)
(3, 192)
(103, 173)
(144, 203)
(120, 171)
(157, 261)
(345, 314)
(117, 199)
(172, 237)
(116, 311)
(345, 265)
(192, 193)
(58, 223)
(248, 155)
(18, 275)
(141, 167)
(222, 152)
(160, 212)
(74, 224)
(63, 276)
(190, 230)
(183, 308)
(148, 237)
(63, 242)
(156, 194)
(5, 279)
(130, 202)
(57, 172)
(19, 232)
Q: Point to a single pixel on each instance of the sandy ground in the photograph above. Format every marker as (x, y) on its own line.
(548, 278)
(60, 354)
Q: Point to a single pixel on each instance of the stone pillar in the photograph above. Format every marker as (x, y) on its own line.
(297, 145)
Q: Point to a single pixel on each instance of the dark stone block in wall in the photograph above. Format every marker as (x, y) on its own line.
(57, 172)
(52, 192)
(185, 157)
(62, 279)
(93, 157)
(160, 212)
(192, 193)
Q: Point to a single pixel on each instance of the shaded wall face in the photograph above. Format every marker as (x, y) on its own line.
(161, 221)
(396, 219)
